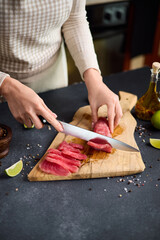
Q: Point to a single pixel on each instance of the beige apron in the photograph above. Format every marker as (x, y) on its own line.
(55, 76)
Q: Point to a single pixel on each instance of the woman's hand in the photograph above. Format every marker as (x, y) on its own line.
(98, 95)
(26, 105)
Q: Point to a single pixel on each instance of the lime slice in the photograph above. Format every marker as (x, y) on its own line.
(155, 142)
(15, 169)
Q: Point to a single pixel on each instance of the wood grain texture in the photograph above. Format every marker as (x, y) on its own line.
(100, 164)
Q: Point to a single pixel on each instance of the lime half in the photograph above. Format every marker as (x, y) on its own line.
(155, 142)
(15, 169)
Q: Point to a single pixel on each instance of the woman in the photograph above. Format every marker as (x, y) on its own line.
(33, 58)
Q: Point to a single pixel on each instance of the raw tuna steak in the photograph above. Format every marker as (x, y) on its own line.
(68, 166)
(101, 127)
(76, 145)
(64, 159)
(100, 144)
(78, 156)
(55, 151)
(53, 168)
(66, 146)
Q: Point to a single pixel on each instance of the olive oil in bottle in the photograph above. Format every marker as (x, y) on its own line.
(149, 103)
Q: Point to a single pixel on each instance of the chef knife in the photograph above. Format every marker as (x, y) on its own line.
(87, 135)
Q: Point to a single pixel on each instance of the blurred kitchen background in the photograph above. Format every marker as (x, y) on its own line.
(126, 35)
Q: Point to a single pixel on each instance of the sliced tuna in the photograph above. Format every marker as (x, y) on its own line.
(101, 127)
(76, 145)
(78, 156)
(69, 166)
(55, 151)
(100, 144)
(72, 161)
(66, 146)
(53, 168)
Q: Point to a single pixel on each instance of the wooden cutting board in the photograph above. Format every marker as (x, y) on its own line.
(100, 164)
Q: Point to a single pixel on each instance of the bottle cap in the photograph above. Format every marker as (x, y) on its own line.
(155, 67)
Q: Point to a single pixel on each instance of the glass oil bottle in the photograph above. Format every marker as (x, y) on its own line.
(149, 103)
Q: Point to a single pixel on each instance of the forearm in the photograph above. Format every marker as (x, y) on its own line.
(79, 40)
(92, 78)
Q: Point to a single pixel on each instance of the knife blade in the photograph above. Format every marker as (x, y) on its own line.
(87, 135)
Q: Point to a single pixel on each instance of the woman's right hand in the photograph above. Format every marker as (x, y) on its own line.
(26, 105)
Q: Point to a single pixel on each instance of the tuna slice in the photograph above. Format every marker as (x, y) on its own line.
(79, 156)
(72, 161)
(53, 168)
(101, 127)
(66, 146)
(100, 144)
(72, 168)
(55, 151)
(76, 145)
(64, 160)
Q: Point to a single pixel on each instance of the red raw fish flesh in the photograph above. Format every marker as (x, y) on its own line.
(72, 161)
(75, 155)
(68, 166)
(100, 144)
(64, 160)
(101, 127)
(66, 146)
(76, 145)
(53, 168)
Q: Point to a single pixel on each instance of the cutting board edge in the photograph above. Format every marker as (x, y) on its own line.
(127, 173)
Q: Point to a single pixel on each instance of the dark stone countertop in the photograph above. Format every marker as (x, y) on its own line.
(79, 209)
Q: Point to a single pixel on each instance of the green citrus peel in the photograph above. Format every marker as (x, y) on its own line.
(15, 169)
(155, 120)
(155, 142)
(25, 126)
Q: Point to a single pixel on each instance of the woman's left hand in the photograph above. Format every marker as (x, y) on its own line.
(98, 95)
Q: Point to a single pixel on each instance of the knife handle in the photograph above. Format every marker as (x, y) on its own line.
(43, 120)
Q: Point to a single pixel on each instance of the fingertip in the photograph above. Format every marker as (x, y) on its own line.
(60, 127)
(55, 115)
(111, 130)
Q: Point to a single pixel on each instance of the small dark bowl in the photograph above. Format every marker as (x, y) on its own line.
(5, 138)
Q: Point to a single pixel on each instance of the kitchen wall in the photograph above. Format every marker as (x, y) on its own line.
(109, 47)
(110, 57)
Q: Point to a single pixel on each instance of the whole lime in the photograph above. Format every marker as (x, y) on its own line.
(155, 120)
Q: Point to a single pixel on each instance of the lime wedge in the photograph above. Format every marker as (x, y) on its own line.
(15, 169)
(155, 142)
(25, 126)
